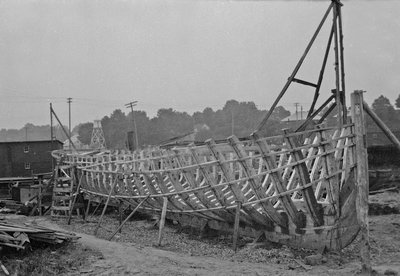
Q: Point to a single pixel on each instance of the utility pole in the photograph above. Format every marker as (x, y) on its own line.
(51, 136)
(131, 105)
(69, 100)
(301, 113)
(297, 114)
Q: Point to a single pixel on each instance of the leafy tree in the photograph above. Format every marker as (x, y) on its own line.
(115, 128)
(397, 103)
(85, 132)
(383, 108)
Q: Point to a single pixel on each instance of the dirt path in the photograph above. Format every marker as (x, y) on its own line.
(132, 259)
(135, 258)
(128, 259)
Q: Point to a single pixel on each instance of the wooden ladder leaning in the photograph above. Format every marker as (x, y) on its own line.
(65, 185)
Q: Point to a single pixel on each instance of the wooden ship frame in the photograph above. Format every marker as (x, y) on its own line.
(305, 188)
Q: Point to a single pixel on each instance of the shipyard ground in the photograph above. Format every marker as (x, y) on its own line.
(183, 252)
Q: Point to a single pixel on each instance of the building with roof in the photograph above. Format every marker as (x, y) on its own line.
(27, 158)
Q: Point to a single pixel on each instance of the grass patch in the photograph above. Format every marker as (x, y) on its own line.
(50, 260)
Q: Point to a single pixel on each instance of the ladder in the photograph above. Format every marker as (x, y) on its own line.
(64, 187)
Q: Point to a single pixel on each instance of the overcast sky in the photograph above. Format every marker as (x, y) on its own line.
(183, 54)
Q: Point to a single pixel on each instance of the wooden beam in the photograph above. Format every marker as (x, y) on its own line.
(105, 206)
(357, 112)
(296, 69)
(279, 184)
(75, 197)
(254, 181)
(228, 174)
(304, 178)
(305, 82)
(162, 220)
(128, 218)
(236, 225)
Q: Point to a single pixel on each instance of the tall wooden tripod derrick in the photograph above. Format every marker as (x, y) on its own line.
(338, 99)
(301, 194)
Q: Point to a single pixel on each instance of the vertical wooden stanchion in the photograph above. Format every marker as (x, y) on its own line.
(105, 206)
(128, 218)
(87, 209)
(120, 214)
(357, 113)
(71, 209)
(40, 195)
(236, 225)
(162, 220)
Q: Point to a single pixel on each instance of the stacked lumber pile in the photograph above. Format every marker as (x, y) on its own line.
(20, 236)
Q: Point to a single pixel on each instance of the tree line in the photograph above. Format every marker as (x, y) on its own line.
(238, 118)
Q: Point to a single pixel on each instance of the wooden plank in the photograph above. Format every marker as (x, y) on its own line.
(216, 192)
(279, 183)
(308, 193)
(362, 177)
(105, 206)
(191, 180)
(162, 220)
(75, 197)
(236, 225)
(254, 181)
(236, 191)
(60, 208)
(174, 178)
(330, 166)
(160, 179)
(128, 218)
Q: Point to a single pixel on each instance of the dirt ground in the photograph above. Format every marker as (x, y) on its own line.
(183, 252)
(133, 252)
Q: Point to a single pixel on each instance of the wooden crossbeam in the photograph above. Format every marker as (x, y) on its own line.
(254, 181)
(304, 178)
(191, 180)
(128, 217)
(279, 183)
(305, 82)
(237, 192)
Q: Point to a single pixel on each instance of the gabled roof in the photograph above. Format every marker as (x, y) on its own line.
(30, 142)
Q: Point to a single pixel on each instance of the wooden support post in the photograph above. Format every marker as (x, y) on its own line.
(40, 196)
(362, 178)
(120, 214)
(74, 200)
(87, 209)
(105, 206)
(97, 207)
(236, 225)
(128, 218)
(162, 220)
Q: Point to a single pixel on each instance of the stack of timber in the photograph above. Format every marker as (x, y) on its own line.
(20, 236)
